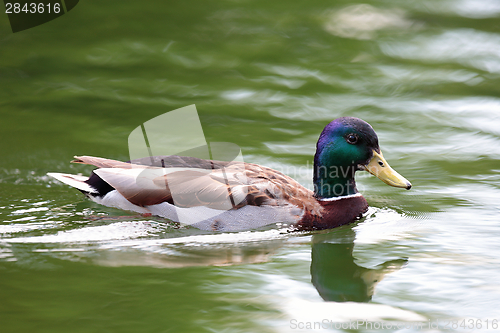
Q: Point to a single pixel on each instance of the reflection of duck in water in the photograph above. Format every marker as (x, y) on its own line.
(335, 274)
(201, 250)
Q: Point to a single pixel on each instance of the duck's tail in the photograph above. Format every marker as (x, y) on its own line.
(76, 181)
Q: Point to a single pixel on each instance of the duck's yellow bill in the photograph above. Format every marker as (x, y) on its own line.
(379, 167)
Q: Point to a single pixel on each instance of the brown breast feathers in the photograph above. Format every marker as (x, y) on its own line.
(335, 213)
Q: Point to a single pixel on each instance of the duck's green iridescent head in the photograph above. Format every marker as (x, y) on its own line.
(345, 146)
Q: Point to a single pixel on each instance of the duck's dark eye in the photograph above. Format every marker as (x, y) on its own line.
(352, 138)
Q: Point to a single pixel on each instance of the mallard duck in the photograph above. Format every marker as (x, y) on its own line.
(226, 196)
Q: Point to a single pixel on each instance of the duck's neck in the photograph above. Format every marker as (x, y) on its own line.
(332, 181)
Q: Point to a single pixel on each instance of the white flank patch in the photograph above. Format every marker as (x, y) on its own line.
(204, 218)
(244, 218)
(116, 200)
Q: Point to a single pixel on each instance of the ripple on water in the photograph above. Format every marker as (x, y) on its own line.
(364, 21)
(477, 9)
(468, 47)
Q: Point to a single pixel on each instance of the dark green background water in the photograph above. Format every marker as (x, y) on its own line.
(268, 76)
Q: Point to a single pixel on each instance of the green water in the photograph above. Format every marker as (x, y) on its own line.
(268, 76)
